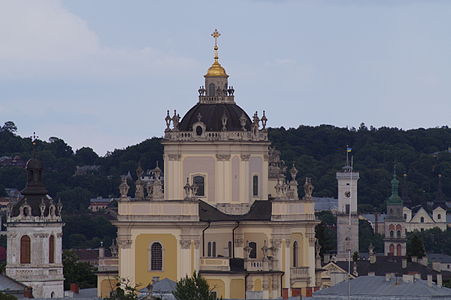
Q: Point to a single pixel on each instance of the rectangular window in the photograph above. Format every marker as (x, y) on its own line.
(255, 185)
(347, 209)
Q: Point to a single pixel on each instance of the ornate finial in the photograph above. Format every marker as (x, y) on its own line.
(168, 120)
(139, 171)
(34, 138)
(264, 120)
(199, 117)
(215, 35)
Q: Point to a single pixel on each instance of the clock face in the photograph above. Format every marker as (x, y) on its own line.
(347, 194)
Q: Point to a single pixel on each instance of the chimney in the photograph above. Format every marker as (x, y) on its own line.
(74, 288)
(414, 259)
(423, 261)
(439, 280)
(389, 276)
(417, 276)
(429, 279)
(404, 262)
(326, 258)
(407, 278)
(28, 292)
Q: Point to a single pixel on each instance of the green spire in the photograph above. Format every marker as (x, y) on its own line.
(394, 198)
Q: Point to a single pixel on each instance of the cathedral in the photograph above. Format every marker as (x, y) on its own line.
(225, 207)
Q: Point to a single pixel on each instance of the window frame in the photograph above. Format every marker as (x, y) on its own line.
(25, 249)
(205, 177)
(150, 257)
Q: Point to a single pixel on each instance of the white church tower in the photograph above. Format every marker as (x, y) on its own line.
(347, 218)
(34, 238)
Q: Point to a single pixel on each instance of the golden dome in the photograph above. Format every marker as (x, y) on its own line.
(216, 70)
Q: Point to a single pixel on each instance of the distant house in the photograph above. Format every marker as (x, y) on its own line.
(325, 203)
(86, 170)
(385, 287)
(12, 161)
(99, 203)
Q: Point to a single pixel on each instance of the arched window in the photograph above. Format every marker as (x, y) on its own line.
(253, 252)
(295, 254)
(391, 233)
(398, 250)
(209, 249)
(422, 219)
(199, 181)
(439, 216)
(391, 227)
(229, 246)
(405, 216)
(211, 89)
(25, 250)
(156, 257)
(391, 250)
(398, 233)
(255, 185)
(51, 249)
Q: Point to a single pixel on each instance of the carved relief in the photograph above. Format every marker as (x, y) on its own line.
(245, 156)
(124, 243)
(223, 156)
(174, 157)
(186, 244)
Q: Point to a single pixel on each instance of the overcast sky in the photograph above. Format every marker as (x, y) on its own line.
(102, 73)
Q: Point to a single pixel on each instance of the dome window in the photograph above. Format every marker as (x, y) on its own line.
(199, 130)
(211, 89)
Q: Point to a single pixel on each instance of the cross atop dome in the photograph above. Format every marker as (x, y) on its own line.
(216, 70)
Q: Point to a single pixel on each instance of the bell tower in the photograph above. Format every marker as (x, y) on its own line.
(347, 218)
(34, 238)
(395, 230)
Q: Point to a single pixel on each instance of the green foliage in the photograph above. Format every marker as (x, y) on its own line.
(87, 232)
(86, 156)
(78, 272)
(4, 296)
(9, 127)
(318, 152)
(434, 240)
(326, 232)
(193, 288)
(415, 247)
(124, 291)
(367, 237)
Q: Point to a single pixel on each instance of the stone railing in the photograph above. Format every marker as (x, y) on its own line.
(260, 135)
(215, 264)
(108, 264)
(216, 99)
(259, 265)
(299, 274)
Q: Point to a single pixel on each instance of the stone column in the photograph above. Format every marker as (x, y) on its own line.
(185, 258)
(287, 266)
(197, 254)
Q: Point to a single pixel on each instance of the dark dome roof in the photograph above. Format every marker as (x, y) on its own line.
(34, 163)
(211, 116)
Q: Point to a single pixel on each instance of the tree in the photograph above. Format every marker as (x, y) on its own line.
(124, 291)
(415, 247)
(78, 272)
(10, 127)
(86, 156)
(193, 288)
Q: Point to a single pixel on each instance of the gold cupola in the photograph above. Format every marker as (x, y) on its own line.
(216, 70)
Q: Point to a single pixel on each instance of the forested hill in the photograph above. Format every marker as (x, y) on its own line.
(318, 152)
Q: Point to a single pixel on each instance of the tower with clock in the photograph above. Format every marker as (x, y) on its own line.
(347, 218)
